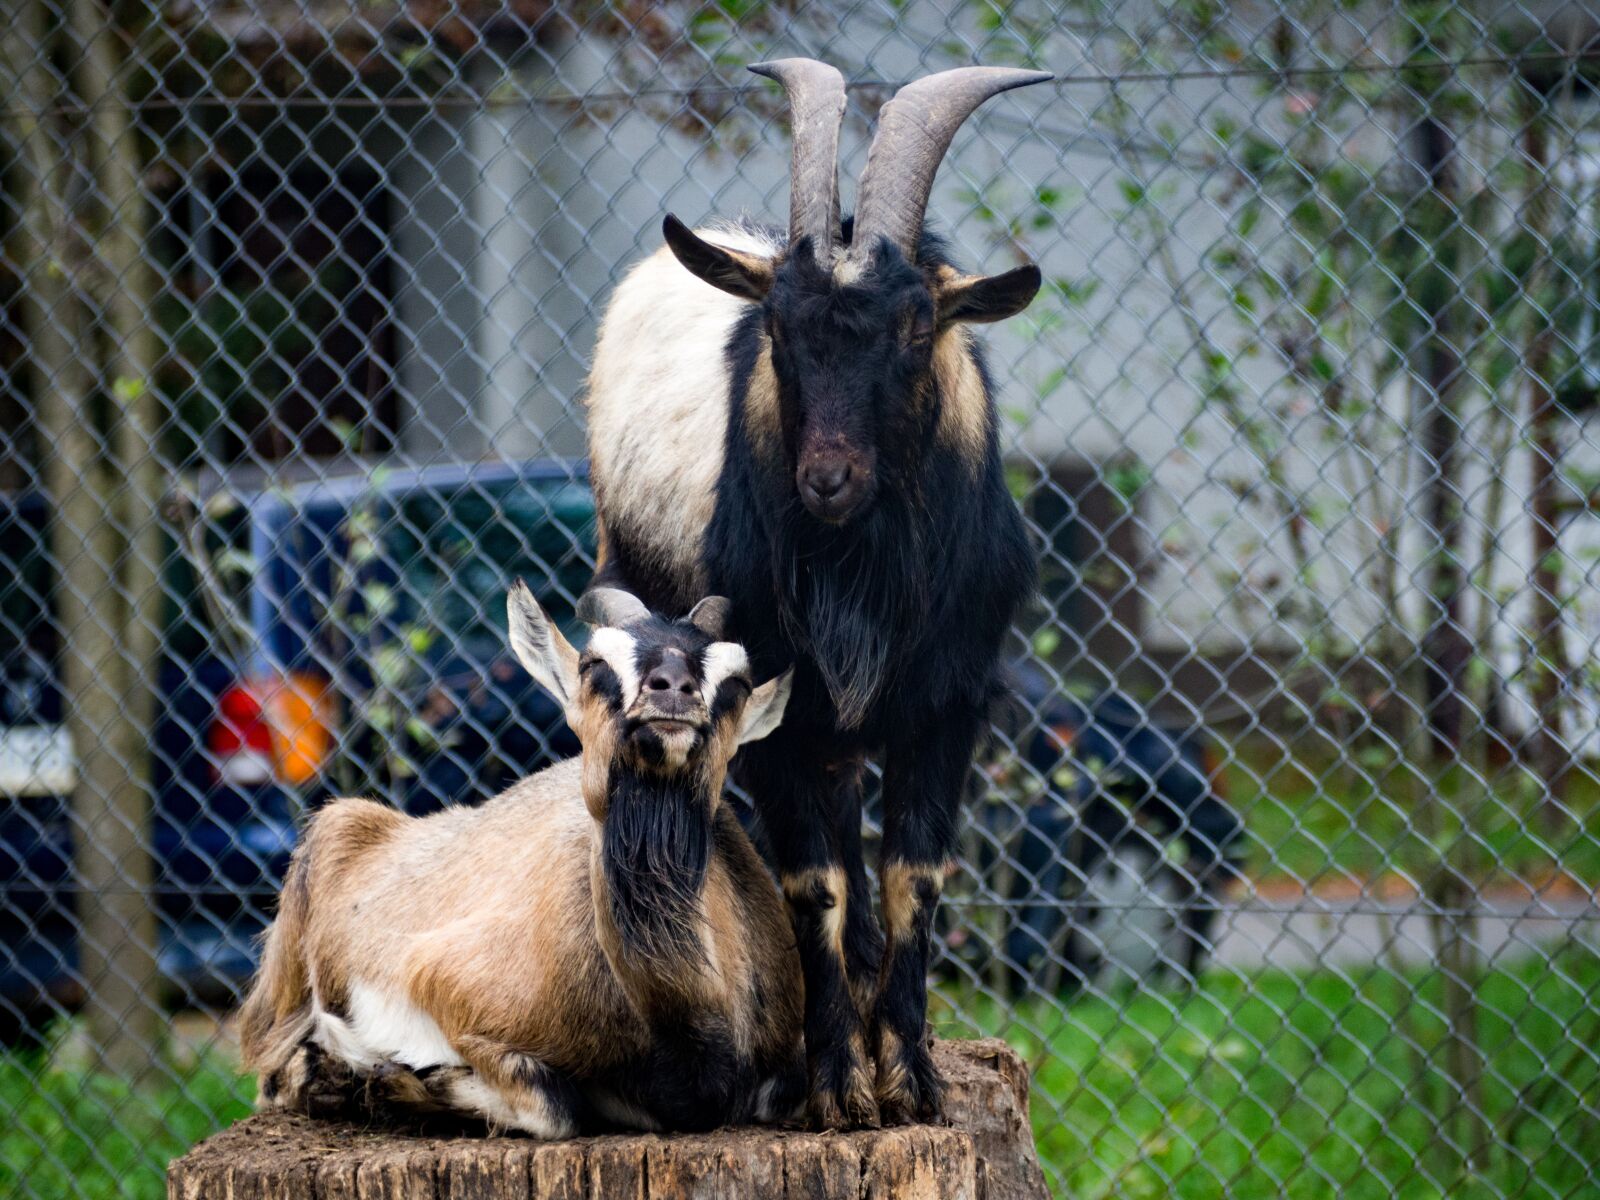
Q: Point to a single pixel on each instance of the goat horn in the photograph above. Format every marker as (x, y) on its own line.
(816, 110)
(610, 607)
(710, 616)
(914, 131)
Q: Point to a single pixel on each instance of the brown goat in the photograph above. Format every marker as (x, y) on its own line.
(599, 946)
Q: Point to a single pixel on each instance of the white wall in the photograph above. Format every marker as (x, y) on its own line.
(519, 218)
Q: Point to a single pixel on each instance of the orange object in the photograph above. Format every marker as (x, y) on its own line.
(300, 714)
(271, 728)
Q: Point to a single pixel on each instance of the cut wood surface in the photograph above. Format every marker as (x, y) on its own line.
(985, 1153)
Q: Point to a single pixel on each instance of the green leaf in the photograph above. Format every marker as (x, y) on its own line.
(379, 598)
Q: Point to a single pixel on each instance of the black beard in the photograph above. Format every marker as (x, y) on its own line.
(655, 849)
(848, 595)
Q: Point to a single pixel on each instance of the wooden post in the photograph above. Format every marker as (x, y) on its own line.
(984, 1153)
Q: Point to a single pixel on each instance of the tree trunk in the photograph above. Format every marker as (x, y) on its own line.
(101, 510)
(1548, 754)
(1444, 643)
(127, 1014)
(985, 1153)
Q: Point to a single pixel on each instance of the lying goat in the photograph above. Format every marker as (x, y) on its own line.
(598, 946)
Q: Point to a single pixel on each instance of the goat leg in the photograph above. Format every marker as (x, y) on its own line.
(804, 811)
(922, 786)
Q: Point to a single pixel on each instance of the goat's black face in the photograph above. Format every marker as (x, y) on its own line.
(852, 359)
(854, 349)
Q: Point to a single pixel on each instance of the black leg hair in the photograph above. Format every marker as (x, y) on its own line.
(863, 936)
(315, 1084)
(797, 798)
(924, 779)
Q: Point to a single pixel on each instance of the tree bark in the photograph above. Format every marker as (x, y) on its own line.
(1548, 753)
(985, 1153)
(125, 1021)
(101, 503)
(1445, 650)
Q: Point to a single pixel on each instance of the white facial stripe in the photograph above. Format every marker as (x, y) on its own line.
(721, 660)
(618, 648)
(846, 271)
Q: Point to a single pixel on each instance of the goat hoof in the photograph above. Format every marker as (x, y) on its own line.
(841, 1089)
(394, 1085)
(909, 1087)
(327, 1104)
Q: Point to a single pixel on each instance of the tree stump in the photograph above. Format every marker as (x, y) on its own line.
(985, 1153)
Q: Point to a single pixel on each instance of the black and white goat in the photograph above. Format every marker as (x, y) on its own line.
(804, 424)
(598, 946)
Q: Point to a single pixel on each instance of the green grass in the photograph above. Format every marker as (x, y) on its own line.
(1299, 1085)
(1311, 817)
(1273, 1085)
(72, 1133)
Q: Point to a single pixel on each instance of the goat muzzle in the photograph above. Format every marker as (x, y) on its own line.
(833, 487)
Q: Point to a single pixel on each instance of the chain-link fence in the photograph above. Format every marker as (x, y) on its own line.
(1283, 869)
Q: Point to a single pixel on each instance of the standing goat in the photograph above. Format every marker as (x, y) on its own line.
(599, 945)
(814, 435)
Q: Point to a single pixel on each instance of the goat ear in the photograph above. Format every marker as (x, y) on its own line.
(539, 646)
(763, 712)
(747, 276)
(983, 298)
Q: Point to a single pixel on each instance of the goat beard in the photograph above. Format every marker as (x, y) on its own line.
(656, 848)
(847, 596)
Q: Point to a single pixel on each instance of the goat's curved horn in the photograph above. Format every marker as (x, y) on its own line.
(610, 607)
(710, 616)
(914, 131)
(816, 108)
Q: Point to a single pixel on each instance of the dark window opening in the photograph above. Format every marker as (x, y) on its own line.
(1088, 547)
(279, 312)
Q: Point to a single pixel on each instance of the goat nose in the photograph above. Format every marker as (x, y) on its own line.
(671, 674)
(827, 480)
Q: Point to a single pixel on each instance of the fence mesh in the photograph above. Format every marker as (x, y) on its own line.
(1281, 870)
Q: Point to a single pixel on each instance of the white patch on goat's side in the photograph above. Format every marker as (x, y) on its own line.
(340, 1042)
(384, 1027)
(658, 399)
(721, 660)
(620, 652)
